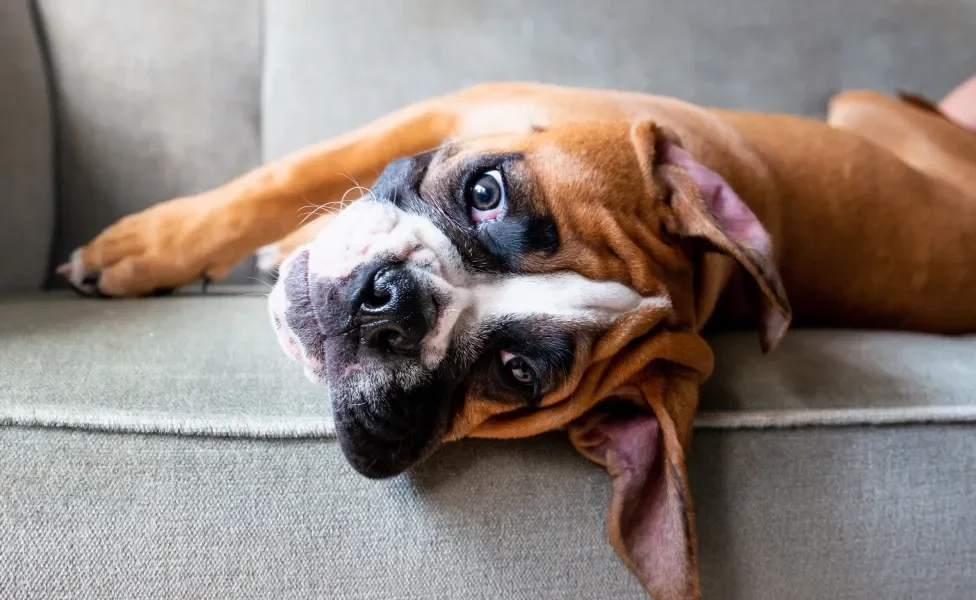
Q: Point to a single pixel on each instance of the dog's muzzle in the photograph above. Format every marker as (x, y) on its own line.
(368, 308)
(364, 336)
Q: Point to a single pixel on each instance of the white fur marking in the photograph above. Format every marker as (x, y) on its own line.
(268, 257)
(566, 296)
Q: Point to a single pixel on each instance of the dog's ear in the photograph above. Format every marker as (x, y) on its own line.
(641, 435)
(706, 208)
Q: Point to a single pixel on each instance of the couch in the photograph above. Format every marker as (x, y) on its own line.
(166, 448)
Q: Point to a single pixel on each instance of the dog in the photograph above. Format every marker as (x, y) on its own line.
(530, 257)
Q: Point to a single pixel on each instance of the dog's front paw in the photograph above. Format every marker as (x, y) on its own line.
(159, 249)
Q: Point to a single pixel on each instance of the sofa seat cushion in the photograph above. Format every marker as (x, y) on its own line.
(782, 511)
(211, 365)
(183, 364)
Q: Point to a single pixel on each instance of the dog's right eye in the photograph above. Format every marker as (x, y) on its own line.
(486, 196)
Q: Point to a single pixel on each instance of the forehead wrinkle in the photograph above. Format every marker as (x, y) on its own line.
(665, 256)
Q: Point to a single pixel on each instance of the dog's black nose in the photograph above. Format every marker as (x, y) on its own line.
(393, 309)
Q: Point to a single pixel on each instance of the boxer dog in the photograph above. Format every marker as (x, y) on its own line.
(529, 257)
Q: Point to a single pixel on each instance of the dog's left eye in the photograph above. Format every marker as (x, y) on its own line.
(520, 370)
(486, 196)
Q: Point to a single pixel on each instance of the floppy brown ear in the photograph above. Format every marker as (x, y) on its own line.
(641, 436)
(706, 208)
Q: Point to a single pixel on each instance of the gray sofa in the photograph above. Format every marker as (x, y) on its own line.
(165, 448)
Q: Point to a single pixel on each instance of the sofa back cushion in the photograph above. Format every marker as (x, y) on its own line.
(162, 99)
(154, 100)
(26, 159)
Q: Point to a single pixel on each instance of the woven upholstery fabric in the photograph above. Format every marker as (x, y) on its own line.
(166, 448)
(212, 365)
(335, 64)
(26, 153)
(159, 100)
(789, 513)
(241, 493)
(153, 101)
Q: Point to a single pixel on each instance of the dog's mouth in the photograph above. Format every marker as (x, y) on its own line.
(389, 413)
(389, 409)
(375, 329)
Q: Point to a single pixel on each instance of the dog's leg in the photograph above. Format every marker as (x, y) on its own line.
(912, 228)
(203, 236)
(924, 139)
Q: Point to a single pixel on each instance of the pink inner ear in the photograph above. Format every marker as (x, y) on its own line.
(647, 517)
(732, 214)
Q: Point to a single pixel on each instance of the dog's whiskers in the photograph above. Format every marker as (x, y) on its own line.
(262, 282)
(318, 212)
(342, 201)
(311, 209)
(365, 190)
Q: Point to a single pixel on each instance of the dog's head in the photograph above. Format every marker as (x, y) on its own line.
(505, 285)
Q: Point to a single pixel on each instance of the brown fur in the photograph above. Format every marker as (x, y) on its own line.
(832, 196)
(871, 215)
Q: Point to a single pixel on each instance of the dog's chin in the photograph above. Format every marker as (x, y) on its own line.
(387, 416)
(374, 455)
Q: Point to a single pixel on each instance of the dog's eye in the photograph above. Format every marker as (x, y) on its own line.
(486, 196)
(520, 370)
